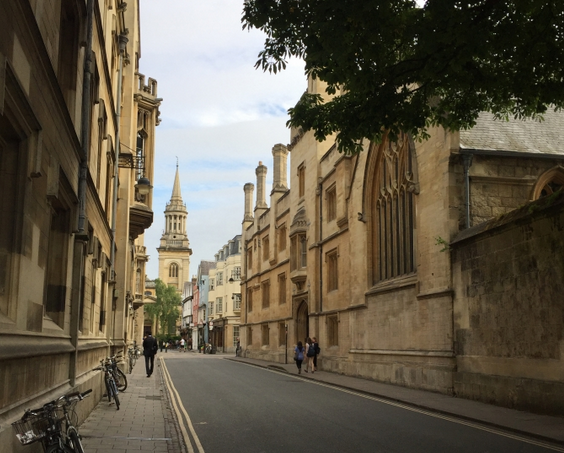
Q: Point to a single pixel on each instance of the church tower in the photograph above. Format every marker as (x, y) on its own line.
(174, 250)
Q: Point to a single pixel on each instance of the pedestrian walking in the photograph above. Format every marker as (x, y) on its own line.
(299, 353)
(183, 345)
(317, 351)
(310, 354)
(150, 348)
(237, 346)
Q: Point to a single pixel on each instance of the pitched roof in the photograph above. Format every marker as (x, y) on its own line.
(521, 136)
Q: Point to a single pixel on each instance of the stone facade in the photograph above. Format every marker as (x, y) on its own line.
(224, 297)
(72, 162)
(174, 252)
(509, 314)
(356, 253)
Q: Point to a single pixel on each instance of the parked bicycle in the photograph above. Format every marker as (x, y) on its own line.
(54, 425)
(109, 380)
(119, 376)
(133, 353)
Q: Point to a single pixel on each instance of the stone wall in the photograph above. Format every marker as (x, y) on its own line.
(498, 185)
(508, 278)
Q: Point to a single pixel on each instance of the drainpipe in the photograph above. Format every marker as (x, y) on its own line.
(85, 122)
(467, 162)
(122, 46)
(81, 236)
(320, 188)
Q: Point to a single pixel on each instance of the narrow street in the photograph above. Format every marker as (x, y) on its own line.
(226, 405)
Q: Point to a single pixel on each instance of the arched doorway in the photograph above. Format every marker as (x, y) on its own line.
(302, 324)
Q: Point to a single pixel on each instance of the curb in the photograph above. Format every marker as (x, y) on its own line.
(172, 426)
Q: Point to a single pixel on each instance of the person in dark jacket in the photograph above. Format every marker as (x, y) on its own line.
(299, 353)
(150, 347)
(317, 351)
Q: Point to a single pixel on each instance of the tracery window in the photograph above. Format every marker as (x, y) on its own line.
(266, 294)
(265, 331)
(173, 270)
(331, 196)
(298, 252)
(249, 300)
(332, 270)
(282, 289)
(282, 238)
(549, 182)
(393, 210)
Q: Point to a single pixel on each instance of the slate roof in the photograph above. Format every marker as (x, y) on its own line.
(522, 136)
(205, 267)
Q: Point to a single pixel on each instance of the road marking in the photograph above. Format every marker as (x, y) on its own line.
(452, 419)
(103, 436)
(179, 409)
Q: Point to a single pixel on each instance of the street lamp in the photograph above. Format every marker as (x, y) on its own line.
(143, 186)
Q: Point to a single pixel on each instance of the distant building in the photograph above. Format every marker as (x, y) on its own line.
(174, 251)
(224, 297)
(200, 304)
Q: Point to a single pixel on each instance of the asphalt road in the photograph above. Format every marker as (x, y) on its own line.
(227, 406)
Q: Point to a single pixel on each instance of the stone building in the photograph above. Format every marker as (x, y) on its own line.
(77, 122)
(200, 334)
(174, 250)
(224, 297)
(409, 264)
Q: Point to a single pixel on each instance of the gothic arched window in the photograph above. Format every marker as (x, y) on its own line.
(173, 270)
(393, 209)
(549, 182)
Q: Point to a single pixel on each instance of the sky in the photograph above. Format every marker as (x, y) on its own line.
(219, 116)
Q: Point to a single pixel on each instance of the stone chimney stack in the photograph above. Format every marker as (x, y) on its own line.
(261, 185)
(280, 176)
(249, 188)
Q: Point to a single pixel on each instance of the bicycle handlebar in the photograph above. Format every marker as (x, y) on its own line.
(55, 403)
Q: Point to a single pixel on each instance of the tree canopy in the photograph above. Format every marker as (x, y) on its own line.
(165, 309)
(391, 65)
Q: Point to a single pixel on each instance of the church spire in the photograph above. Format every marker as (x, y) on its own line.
(175, 217)
(174, 250)
(176, 195)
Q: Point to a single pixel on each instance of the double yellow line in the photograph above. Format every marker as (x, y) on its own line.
(182, 415)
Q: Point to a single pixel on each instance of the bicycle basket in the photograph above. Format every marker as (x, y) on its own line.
(33, 428)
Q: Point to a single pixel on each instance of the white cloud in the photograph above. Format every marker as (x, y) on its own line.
(220, 116)
(214, 165)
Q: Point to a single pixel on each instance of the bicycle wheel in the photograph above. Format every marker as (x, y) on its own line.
(121, 380)
(59, 449)
(114, 391)
(108, 391)
(73, 440)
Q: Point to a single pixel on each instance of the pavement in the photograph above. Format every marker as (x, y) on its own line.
(146, 421)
